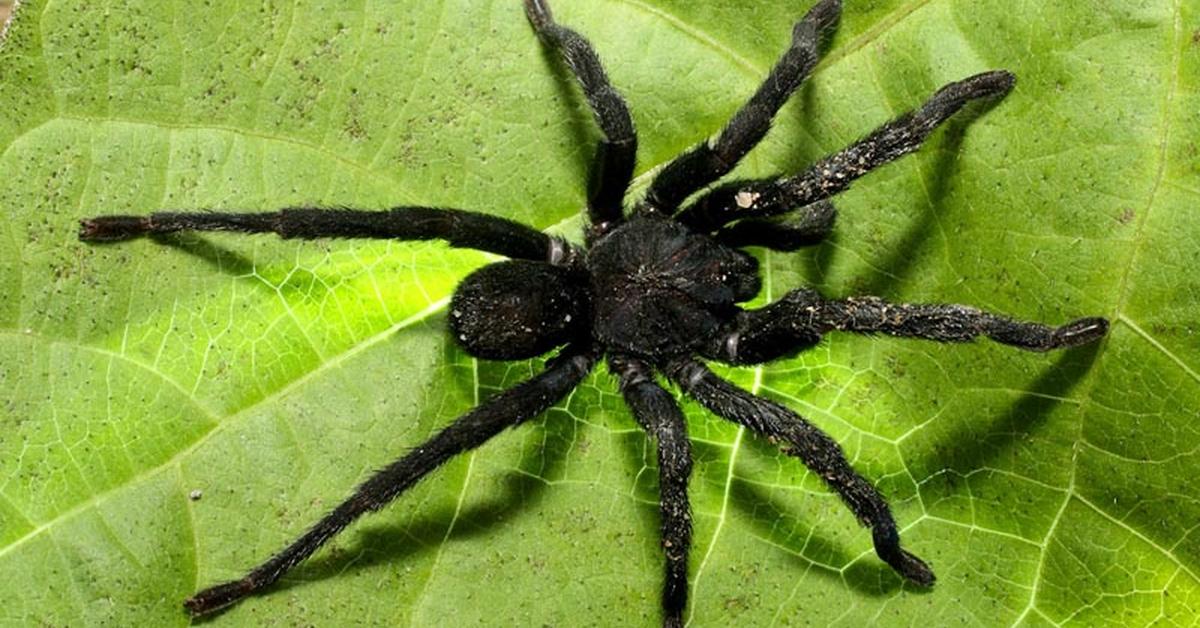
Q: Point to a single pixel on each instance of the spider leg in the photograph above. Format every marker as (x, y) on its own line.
(657, 413)
(612, 167)
(460, 228)
(800, 318)
(817, 450)
(903, 135)
(507, 409)
(806, 226)
(711, 160)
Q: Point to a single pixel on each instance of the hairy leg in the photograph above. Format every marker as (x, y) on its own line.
(460, 228)
(806, 226)
(612, 168)
(713, 159)
(800, 318)
(817, 450)
(657, 413)
(905, 134)
(507, 409)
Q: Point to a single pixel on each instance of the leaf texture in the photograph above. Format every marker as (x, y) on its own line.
(175, 412)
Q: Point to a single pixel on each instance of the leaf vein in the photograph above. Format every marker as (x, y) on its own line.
(100, 497)
(1158, 345)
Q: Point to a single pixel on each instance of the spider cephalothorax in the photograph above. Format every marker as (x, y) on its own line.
(659, 289)
(653, 289)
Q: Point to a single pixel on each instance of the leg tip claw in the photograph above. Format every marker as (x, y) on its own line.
(825, 14)
(819, 19)
(112, 228)
(914, 570)
(538, 13)
(992, 83)
(1081, 332)
(216, 598)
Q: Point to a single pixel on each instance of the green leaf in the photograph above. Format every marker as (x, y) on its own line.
(174, 413)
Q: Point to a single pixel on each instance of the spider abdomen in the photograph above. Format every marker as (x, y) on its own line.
(659, 289)
(517, 309)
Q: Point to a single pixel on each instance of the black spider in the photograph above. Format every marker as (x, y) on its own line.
(651, 290)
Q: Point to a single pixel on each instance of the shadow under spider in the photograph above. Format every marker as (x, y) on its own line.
(574, 109)
(386, 543)
(810, 550)
(901, 260)
(299, 281)
(972, 446)
(804, 540)
(220, 258)
(968, 450)
(398, 543)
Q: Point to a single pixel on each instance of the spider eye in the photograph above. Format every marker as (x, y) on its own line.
(517, 309)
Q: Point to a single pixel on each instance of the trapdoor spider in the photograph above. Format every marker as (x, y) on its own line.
(653, 290)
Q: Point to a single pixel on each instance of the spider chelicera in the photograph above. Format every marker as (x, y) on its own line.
(652, 290)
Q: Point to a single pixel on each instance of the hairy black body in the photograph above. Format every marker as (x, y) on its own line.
(676, 287)
(652, 290)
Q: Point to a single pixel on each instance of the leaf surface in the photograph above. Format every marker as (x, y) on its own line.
(175, 412)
